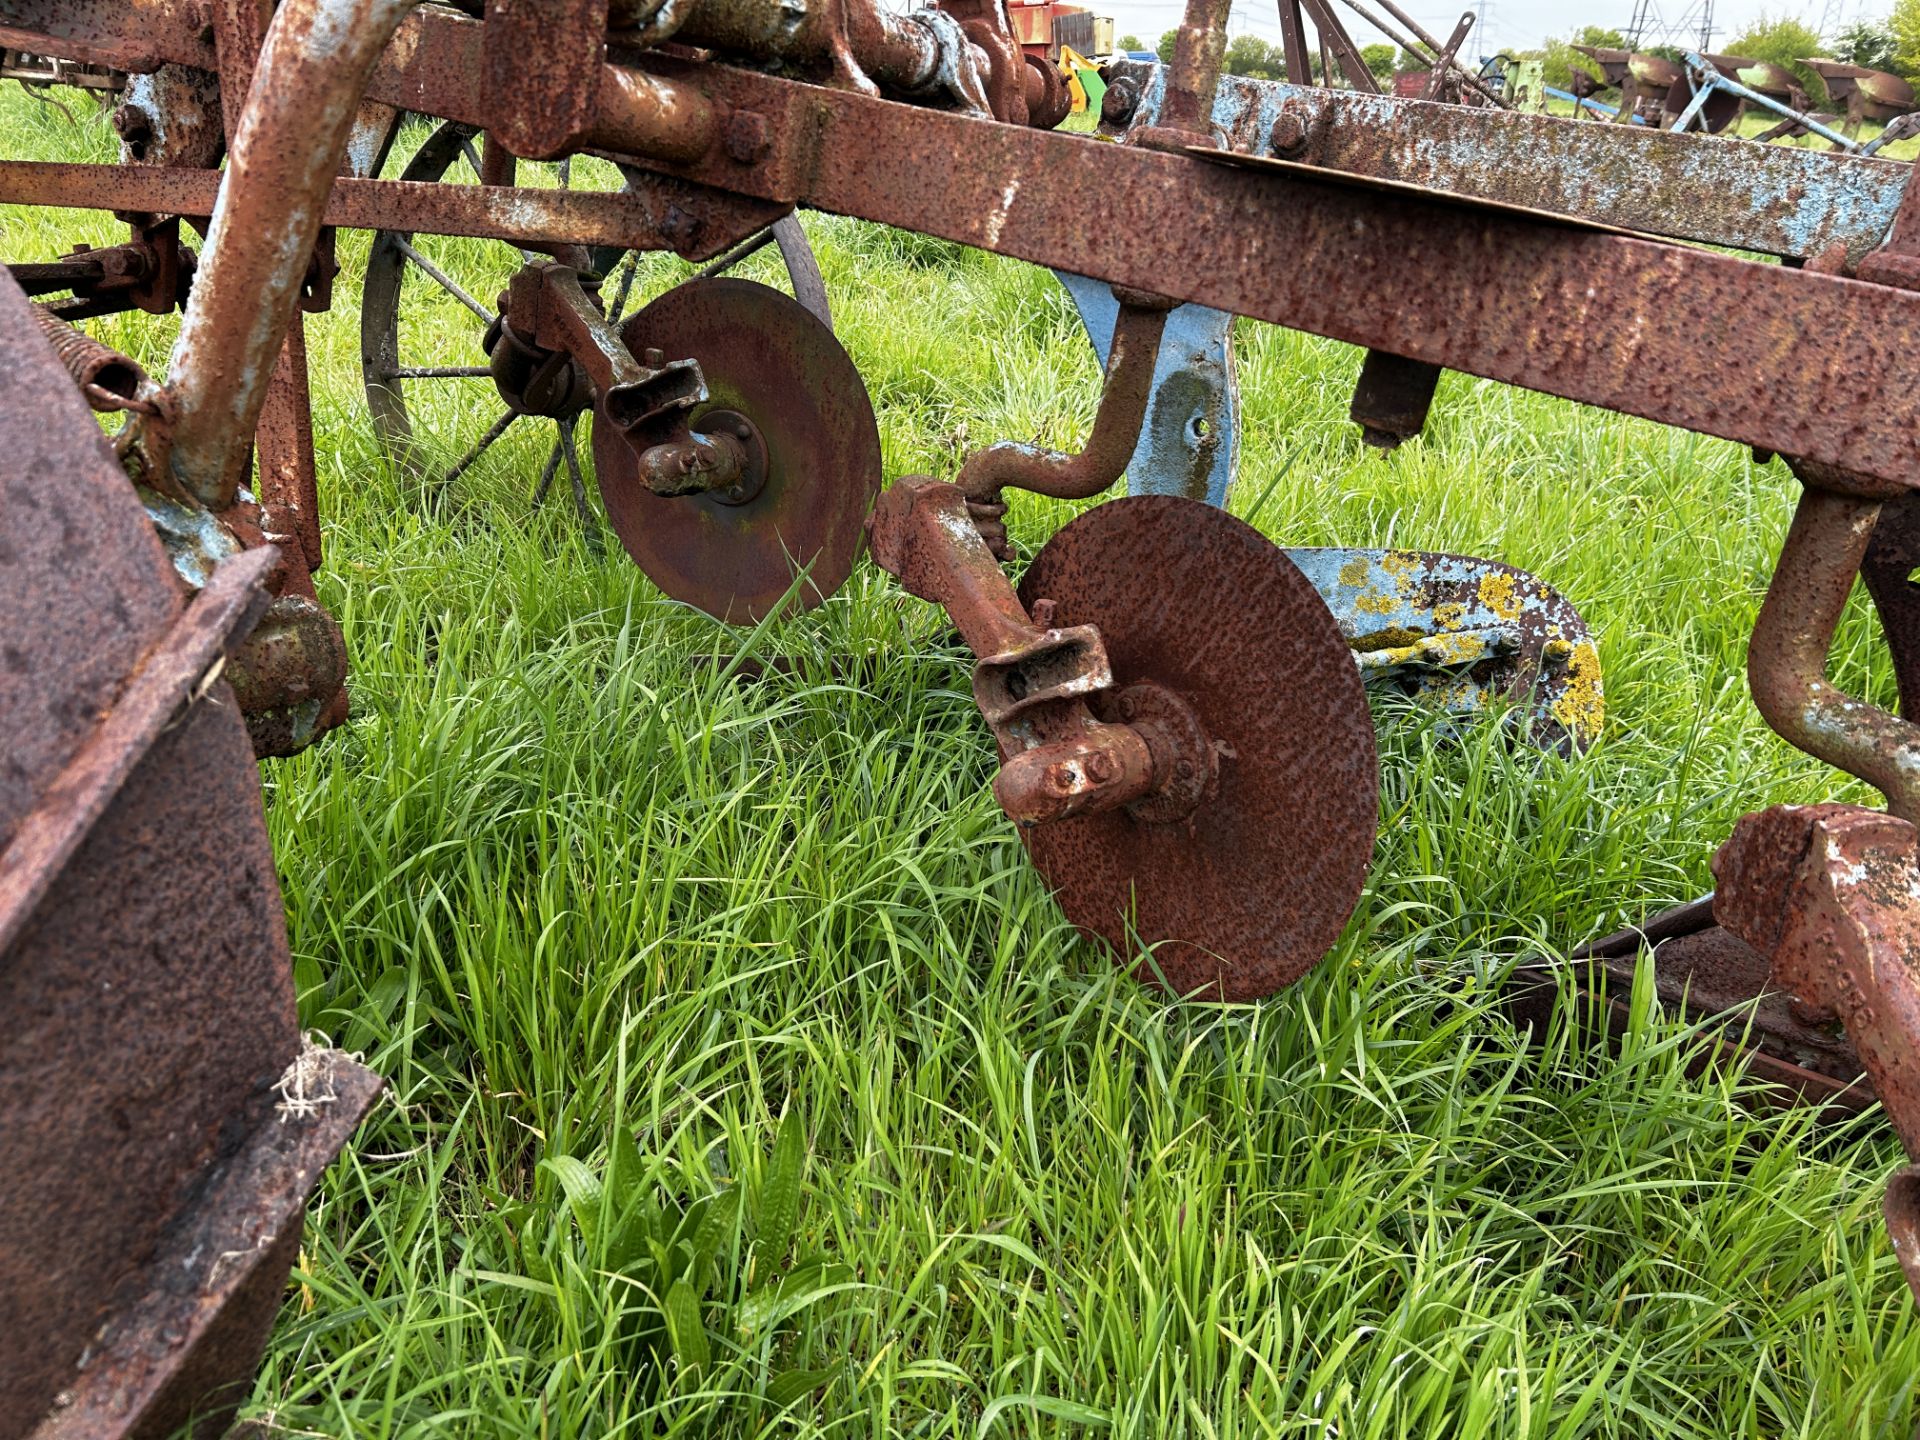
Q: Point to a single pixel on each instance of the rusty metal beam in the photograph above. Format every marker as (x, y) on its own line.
(1771, 199)
(310, 73)
(1776, 200)
(635, 220)
(138, 38)
(1749, 352)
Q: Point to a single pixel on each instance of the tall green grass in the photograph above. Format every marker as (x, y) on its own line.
(561, 878)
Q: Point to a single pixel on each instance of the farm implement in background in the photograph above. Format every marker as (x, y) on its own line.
(1711, 92)
(1179, 712)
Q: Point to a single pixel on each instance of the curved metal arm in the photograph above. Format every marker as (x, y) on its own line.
(1787, 657)
(1116, 427)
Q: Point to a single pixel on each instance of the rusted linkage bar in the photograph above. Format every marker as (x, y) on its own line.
(1124, 395)
(1787, 657)
(644, 219)
(138, 37)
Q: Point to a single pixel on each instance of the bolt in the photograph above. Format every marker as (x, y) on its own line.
(1122, 99)
(680, 229)
(1060, 777)
(1289, 135)
(1043, 613)
(1101, 767)
(653, 357)
(1183, 769)
(742, 430)
(747, 136)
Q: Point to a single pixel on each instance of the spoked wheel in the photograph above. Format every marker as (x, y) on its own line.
(427, 304)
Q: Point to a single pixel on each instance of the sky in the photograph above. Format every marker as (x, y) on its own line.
(1512, 24)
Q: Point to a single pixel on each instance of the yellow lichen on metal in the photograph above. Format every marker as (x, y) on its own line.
(1581, 710)
(1376, 604)
(1400, 563)
(1497, 594)
(1449, 616)
(1459, 648)
(1354, 572)
(1387, 638)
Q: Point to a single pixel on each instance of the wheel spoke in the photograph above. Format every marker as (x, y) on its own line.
(439, 372)
(445, 281)
(625, 288)
(589, 522)
(494, 432)
(551, 468)
(473, 159)
(734, 256)
(566, 173)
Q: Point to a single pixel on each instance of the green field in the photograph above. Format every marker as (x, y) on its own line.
(592, 905)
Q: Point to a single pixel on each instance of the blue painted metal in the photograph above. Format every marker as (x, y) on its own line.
(1446, 631)
(1770, 199)
(1707, 79)
(1459, 634)
(1190, 439)
(1599, 107)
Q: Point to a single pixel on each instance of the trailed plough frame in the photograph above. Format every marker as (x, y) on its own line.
(1146, 749)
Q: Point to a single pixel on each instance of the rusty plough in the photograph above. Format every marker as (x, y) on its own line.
(163, 1115)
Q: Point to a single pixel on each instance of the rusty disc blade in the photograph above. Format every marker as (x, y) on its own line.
(767, 358)
(1245, 895)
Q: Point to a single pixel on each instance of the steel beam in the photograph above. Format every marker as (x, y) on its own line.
(1754, 353)
(1771, 199)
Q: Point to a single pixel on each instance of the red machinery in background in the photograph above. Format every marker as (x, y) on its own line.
(1043, 28)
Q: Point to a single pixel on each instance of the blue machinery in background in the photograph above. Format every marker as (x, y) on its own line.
(1448, 630)
(1586, 103)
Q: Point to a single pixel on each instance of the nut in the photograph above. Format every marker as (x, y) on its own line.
(1289, 136)
(1122, 99)
(747, 136)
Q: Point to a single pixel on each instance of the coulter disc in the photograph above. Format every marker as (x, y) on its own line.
(765, 357)
(1246, 894)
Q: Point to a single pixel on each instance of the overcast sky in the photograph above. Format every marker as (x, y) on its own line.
(1511, 24)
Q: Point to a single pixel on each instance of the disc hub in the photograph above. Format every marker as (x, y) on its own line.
(788, 495)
